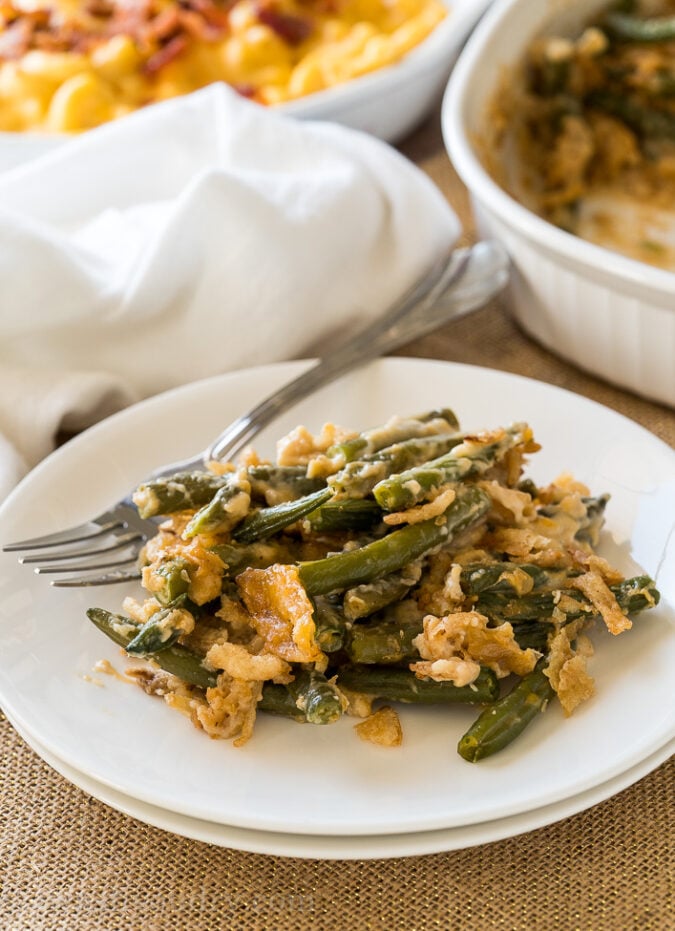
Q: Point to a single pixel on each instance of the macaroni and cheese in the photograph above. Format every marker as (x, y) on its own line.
(67, 66)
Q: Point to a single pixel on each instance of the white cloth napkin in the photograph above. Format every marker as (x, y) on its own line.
(194, 237)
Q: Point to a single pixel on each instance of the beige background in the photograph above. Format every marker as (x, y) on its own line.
(67, 862)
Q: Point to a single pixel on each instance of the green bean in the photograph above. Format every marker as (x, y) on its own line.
(170, 579)
(268, 521)
(633, 595)
(500, 724)
(183, 491)
(162, 630)
(358, 478)
(627, 28)
(389, 643)
(645, 121)
(283, 482)
(383, 644)
(276, 699)
(589, 523)
(411, 486)
(506, 577)
(402, 685)
(331, 624)
(316, 696)
(259, 555)
(345, 514)
(394, 551)
(175, 659)
(227, 508)
(364, 600)
(395, 430)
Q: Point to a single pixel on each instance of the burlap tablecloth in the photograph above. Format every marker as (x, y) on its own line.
(68, 862)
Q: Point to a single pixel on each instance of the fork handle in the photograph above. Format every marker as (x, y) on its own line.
(460, 283)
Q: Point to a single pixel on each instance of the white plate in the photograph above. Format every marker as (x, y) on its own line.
(317, 847)
(313, 780)
(388, 103)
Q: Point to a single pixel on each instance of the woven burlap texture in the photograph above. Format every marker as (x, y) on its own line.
(69, 863)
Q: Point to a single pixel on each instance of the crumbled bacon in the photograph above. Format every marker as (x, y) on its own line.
(173, 48)
(292, 29)
(159, 32)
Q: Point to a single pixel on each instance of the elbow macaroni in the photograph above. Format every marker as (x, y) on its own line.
(290, 49)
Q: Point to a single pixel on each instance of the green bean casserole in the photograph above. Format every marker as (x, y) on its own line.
(410, 563)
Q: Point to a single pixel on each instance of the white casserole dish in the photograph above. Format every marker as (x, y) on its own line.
(611, 315)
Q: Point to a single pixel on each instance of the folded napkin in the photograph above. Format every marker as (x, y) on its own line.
(197, 236)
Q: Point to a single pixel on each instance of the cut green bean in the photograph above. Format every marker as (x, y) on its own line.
(170, 579)
(402, 685)
(345, 514)
(500, 724)
(331, 624)
(162, 630)
(383, 644)
(633, 595)
(395, 430)
(227, 508)
(359, 477)
(284, 483)
(505, 577)
(183, 491)
(316, 696)
(259, 555)
(364, 600)
(472, 457)
(394, 551)
(175, 659)
(267, 521)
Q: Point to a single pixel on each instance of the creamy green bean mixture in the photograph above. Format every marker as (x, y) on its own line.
(409, 563)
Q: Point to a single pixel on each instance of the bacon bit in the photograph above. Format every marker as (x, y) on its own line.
(173, 48)
(196, 26)
(164, 25)
(246, 90)
(292, 29)
(100, 8)
(15, 39)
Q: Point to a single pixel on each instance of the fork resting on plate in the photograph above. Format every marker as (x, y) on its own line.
(107, 547)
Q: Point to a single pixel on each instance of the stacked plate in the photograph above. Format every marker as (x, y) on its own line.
(321, 792)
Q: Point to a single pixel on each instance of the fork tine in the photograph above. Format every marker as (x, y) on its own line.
(62, 536)
(111, 578)
(123, 540)
(47, 570)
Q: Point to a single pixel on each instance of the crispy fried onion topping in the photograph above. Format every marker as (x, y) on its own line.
(281, 613)
(567, 667)
(454, 648)
(226, 711)
(239, 663)
(603, 600)
(433, 508)
(382, 728)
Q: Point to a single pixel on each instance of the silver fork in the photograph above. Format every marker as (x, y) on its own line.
(107, 547)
